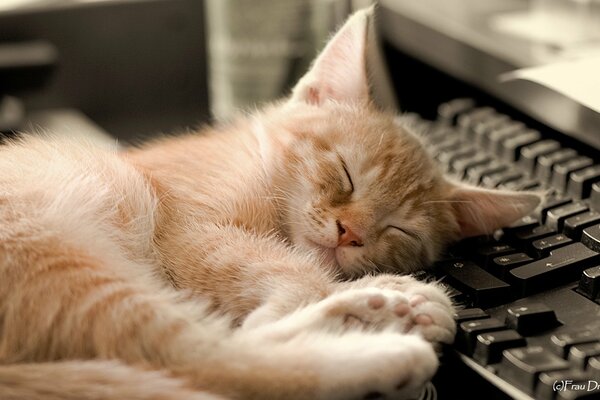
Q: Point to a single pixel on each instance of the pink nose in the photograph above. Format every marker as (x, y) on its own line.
(347, 237)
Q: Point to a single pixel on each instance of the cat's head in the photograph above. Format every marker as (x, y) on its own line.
(355, 185)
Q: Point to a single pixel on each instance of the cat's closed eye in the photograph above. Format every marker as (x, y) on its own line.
(347, 189)
(405, 231)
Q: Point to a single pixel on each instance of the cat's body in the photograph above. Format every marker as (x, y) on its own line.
(219, 258)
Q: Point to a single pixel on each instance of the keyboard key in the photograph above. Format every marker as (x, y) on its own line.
(489, 346)
(546, 162)
(594, 365)
(534, 233)
(561, 343)
(556, 217)
(512, 147)
(469, 314)
(589, 283)
(494, 180)
(563, 265)
(575, 225)
(531, 153)
(522, 366)
(501, 265)
(461, 166)
(581, 353)
(531, 318)
(580, 182)
(468, 119)
(485, 289)
(552, 202)
(521, 224)
(522, 184)
(542, 247)
(498, 136)
(562, 171)
(450, 111)
(447, 157)
(467, 332)
(482, 129)
(551, 382)
(476, 174)
(485, 254)
(595, 197)
(591, 237)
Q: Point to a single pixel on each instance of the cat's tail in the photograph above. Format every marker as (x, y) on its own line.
(91, 380)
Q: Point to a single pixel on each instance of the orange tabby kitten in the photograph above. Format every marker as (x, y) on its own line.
(213, 263)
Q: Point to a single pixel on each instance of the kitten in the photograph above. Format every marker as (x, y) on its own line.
(236, 261)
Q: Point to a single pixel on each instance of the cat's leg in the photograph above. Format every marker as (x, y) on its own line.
(243, 273)
(65, 303)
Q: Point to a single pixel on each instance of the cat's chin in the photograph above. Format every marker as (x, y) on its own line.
(328, 254)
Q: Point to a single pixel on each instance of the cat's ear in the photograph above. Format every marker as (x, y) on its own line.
(481, 211)
(339, 72)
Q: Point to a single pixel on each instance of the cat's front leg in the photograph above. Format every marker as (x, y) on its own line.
(431, 309)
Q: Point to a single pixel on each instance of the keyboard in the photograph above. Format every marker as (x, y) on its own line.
(529, 323)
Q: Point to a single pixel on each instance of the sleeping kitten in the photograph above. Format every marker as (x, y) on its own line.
(236, 261)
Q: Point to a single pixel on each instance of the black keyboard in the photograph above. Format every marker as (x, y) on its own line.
(530, 294)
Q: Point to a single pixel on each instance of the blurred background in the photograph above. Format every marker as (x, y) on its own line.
(136, 68)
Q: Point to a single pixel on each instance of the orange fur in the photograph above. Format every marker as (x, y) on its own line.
(215, 258)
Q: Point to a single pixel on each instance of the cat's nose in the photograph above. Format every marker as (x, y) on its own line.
(346, 237)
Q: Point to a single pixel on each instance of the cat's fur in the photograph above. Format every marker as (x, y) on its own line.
(216, 258)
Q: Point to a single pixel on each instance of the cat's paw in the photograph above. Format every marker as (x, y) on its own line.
(365, 308)
(377, 366)
(431, 309)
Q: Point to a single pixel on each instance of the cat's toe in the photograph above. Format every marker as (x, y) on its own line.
(434, 322)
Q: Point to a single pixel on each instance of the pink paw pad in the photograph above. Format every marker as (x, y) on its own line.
(402, 309)
(418, 299)
(423, 319)
(376, 302)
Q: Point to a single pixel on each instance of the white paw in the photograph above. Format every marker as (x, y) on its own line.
(376, 366)
(431, 310)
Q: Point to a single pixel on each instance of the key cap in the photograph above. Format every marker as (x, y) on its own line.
(498, 136)
(563, 265)
(556, 217)
(531, 153)
(523, 365)
(581, 353)
(485, 254)
(531, 318)
(521, 224)
(562, 170)
(537, 232)
(580, 182)
(552, 202)
(485, 289)
(594, 365)
(561, 343)
(467, 120)
(591, 237)
(476, 174)
(445, 158)
(482, 129)
(512, 147)
(496, 179)
(467, 332)
(551, 382)
(546, 162)
(501, 265)
(542, 247)
(462, 165)
(489, 346)
(595, 197)
(575, 225)
(589, 283)
(450, 111)
(469, 314)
